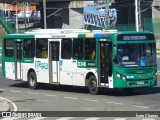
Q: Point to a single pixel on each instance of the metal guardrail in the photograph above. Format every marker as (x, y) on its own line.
(9, 24)
(99, 16)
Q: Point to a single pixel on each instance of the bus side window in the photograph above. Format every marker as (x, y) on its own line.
(9, 48)
(90, 49)
(29, 48)
(42, 48)
(66, 48)
(78, 48)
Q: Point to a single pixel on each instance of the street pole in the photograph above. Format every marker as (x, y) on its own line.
(25, 16)
(9, 12)
(136, 16)
(5, 12)
(44, 14)
(108, 22)
(16, 20)
(28, 10)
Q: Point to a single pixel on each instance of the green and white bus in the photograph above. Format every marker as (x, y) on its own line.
(79, 57)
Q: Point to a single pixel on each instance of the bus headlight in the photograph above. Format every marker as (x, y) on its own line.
(121, 76)
(155, 75)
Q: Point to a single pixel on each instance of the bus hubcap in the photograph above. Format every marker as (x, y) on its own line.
(32, 81)
(93, 85)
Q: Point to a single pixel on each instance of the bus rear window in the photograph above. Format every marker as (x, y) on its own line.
(9, 48)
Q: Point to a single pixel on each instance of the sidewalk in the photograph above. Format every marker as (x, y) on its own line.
(4, 106)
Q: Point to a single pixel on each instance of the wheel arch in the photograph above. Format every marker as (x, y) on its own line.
(87, 77)
(29, 71)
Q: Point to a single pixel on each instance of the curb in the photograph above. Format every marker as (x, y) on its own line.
(4, 106)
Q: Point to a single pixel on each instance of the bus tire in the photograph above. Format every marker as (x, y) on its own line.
(92, 85)
(32, 80)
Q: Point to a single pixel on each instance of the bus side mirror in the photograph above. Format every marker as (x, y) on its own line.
(114, 52)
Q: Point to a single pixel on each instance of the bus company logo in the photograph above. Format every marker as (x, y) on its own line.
(39, 64)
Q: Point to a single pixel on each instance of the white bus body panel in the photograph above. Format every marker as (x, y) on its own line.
(26, 68)
(79, 78)
(66, 70)
(41, 69)
(9, 70)
(70, 74)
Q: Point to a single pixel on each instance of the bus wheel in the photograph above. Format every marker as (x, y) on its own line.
(128, 90)
(92, 85)
(32, 80)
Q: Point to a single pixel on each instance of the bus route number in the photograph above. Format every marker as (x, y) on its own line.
(81, 64)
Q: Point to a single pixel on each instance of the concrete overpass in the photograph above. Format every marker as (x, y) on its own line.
(69, 13)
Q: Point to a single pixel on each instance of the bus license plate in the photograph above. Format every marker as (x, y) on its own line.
(140, 83)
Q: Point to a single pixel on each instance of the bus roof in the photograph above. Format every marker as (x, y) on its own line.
(71, 33)
(57, 31)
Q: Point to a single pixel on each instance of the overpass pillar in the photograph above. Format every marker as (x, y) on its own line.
(76, 16)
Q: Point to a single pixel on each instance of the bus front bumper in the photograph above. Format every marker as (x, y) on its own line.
(135, 83)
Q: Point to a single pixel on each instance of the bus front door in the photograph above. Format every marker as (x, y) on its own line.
(18, 60)
(105, 66)
(54, 62)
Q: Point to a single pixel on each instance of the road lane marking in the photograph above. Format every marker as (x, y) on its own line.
(51, 95)
(0, 65)
(120, 118)
(37, 118)
(33, 93)
(114, 103)
(71, 98)
(91, 100)
(11, 118)
(140, 106)
(148, 119)
(2, 89)
(15, 91)
(92, 118)
(9, 101)
(65, 118)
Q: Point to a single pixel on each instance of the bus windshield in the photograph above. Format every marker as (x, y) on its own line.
(129, 55)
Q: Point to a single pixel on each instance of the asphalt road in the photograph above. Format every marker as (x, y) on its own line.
(55, 98)
(68, 98)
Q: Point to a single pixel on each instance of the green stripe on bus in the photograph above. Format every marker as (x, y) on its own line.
(81, 35)
(18, 36)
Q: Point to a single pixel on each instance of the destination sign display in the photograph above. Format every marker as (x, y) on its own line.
(126, 37)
